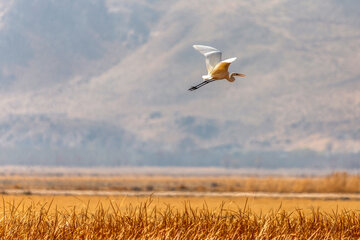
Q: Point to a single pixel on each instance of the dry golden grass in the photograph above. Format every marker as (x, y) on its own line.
(146, 220)
(100, 217)
(334, 183)
(257, 204)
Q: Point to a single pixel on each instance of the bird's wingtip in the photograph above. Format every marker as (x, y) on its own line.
(199, 46)
(230, 60)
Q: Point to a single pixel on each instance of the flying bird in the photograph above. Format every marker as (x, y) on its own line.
(217, 69)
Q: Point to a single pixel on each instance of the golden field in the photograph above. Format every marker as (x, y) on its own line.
(69, 217)
(29, 216)
(257, 205)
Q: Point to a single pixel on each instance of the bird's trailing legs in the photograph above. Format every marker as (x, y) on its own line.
(200, 85)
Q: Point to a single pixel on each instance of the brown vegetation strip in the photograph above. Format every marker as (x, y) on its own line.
(326, 196)
(334, 183)
(148, 222)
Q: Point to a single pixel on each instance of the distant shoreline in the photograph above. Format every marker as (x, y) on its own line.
(9, 170)
(312, 196)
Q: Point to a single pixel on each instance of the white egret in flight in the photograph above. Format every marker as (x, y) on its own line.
(217, 69)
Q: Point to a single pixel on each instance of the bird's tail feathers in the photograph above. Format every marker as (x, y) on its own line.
(206, 77)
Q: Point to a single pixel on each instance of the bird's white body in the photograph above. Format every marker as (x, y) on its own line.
(208, 76)
(217, 68)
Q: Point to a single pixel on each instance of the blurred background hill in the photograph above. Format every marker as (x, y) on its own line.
(89, 83)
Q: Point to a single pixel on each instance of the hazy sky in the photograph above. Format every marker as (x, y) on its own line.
(111, 77)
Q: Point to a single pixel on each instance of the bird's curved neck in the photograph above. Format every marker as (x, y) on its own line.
(231, 77)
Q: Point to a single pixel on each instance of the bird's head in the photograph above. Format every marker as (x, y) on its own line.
(233, 75)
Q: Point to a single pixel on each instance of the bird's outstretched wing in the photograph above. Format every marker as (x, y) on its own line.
(212, 56)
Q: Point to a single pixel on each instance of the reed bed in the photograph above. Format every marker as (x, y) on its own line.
(339, 182)
(146, 221)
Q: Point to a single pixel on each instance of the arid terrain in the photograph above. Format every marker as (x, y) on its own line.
(175, 206)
